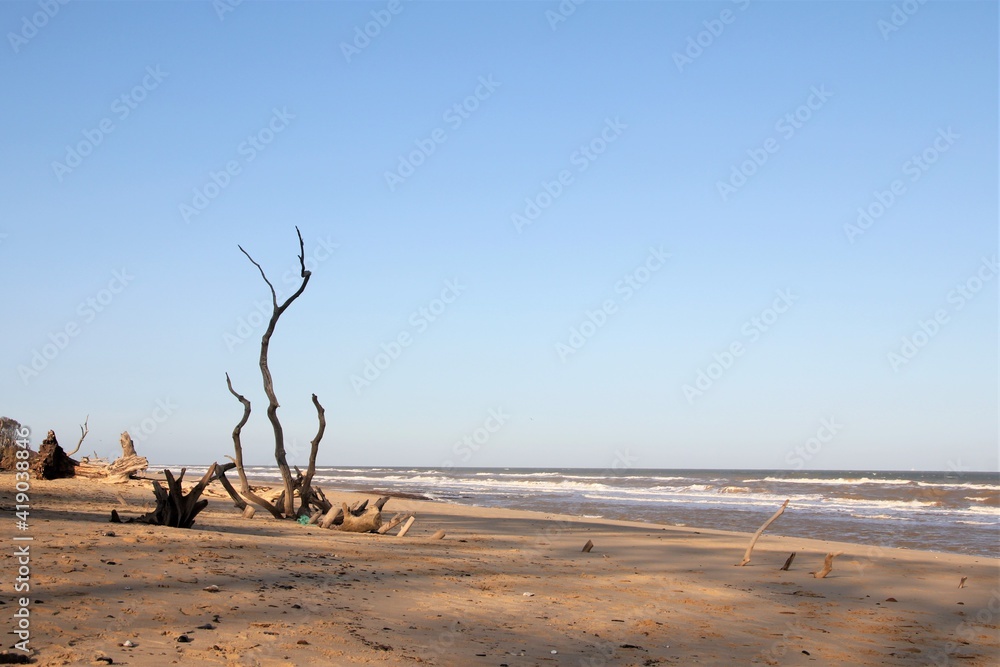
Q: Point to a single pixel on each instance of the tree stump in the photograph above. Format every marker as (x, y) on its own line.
(368, 521)
(51, 461)
(173, 507)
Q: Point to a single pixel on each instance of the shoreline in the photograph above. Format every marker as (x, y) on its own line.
(503, 587)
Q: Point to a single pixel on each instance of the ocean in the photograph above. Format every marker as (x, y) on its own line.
(956, 512)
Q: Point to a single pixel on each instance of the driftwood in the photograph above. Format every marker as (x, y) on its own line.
(286, 507)
(392, 523)
(827, 566)
(756, 536)
(128, 466)
(406, 527)
(788, 563)
(961, 584)
(587, 547)
(84, 430)
(439, 535)
(51, 461)
(368, 521)
(173, 507)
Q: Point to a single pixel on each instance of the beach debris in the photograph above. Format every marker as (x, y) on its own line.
(961, 584)
(174, 508)
(587, 547)
(109, 533)
(891, 600)
(127, 466)
(310, 498)
(51, 462)
(756, 536)
(439, 535)
(788, 562)
(827, 565)
(84, 430)
(406, 527)
(206, 626)
(184, 639)
(392, 523)
(128, 643)
(528, 595)
(212, 589)
(102, 660)
(364, 520)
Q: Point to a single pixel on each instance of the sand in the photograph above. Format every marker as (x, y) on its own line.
(502, 588)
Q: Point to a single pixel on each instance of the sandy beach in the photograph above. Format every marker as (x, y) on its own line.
(502, 588)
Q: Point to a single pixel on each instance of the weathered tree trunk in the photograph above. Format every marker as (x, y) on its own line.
(284, 506)
(173, 507)
(122, 469)
(51, 461)
(368, 521)
(128, 449)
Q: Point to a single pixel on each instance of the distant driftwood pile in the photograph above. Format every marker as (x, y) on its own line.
(52, 462)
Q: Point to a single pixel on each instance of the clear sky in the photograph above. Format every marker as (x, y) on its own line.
(652, 234)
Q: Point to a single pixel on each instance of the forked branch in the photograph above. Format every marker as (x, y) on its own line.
(84, 430)
(238, 446)
(265, 341)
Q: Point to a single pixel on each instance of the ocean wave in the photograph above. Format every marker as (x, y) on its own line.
(838, 481)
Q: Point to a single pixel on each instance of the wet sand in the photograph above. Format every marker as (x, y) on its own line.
(502, 588)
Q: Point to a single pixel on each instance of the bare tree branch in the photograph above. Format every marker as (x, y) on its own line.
(84, 430)
(306, 490)
(273, 405)
(238, 446)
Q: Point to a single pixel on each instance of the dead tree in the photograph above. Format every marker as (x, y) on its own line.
(122, 469)
(174, 508)
(284, 507)
(84, 430)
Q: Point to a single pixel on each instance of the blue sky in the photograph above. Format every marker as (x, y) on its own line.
(636, 230)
